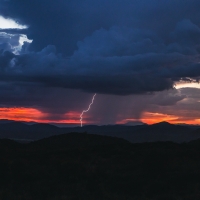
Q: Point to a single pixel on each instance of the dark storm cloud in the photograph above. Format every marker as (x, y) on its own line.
(63, 23)
(118, 61)
(113, 47)
(115, 75)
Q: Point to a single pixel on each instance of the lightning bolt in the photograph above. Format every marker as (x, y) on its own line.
(84, 111)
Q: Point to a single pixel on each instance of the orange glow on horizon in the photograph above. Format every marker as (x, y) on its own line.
(20, 114)
(32, 114)
(152, 118)
(35, 115)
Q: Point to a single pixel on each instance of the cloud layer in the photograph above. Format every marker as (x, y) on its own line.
(118, 61)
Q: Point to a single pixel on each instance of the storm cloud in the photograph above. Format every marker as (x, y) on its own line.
(119, 61)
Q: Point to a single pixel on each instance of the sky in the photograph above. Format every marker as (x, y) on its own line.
(140, 57)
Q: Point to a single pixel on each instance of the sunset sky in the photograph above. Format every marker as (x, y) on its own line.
(140, 58)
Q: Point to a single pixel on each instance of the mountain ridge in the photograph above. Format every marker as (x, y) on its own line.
(162, 131)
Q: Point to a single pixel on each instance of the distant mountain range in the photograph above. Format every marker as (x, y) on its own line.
(163, 131)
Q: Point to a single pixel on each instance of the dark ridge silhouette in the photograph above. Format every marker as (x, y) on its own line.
(22, 131)
(162, 131)
(163, 123)
(14, 125)
(4, 121)
(44, 126)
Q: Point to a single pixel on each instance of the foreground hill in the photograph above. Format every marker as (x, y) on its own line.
(76, 140)
(88, 167)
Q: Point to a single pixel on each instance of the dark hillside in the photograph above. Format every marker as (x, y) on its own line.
(162, 131)
(22, 131)
(76, 140)
(87, 167)
(9, 144)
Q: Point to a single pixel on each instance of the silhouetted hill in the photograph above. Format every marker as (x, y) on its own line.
(76, 140)
(120, 131)
(44, 126)
(14, 125)
(8, 144)
(162, 131)
(21, 131)
(197, 131)
(4, 121)
(87, 167)
(163, 123)
(165, 126)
